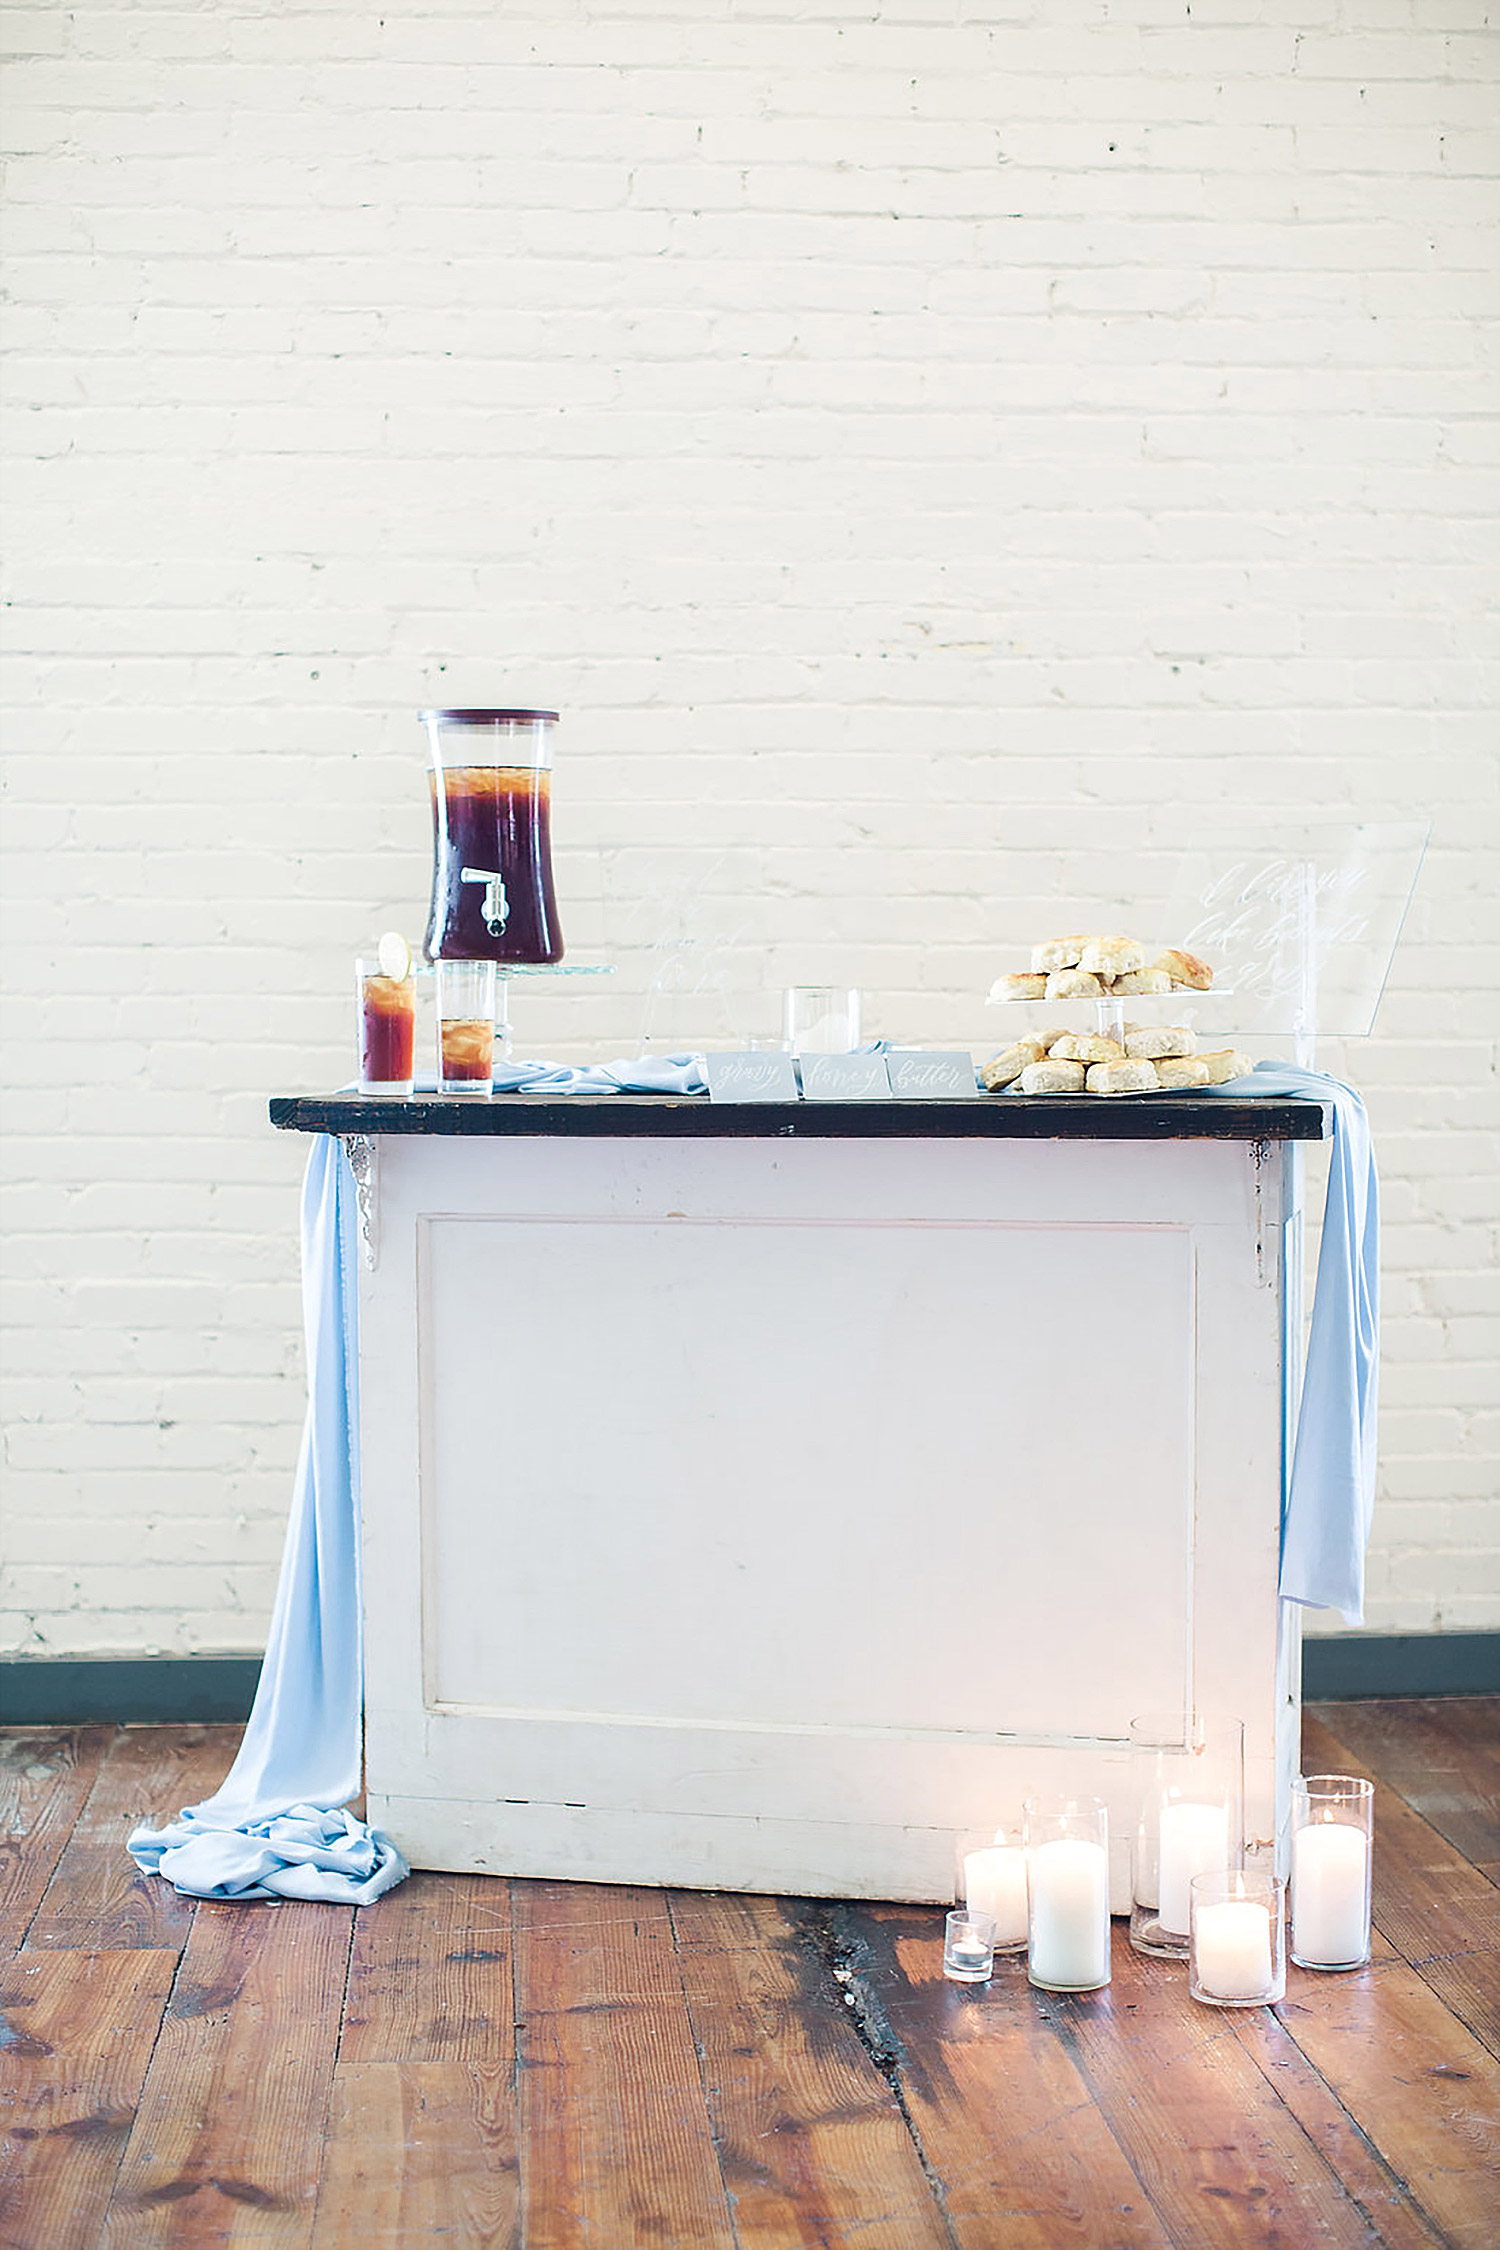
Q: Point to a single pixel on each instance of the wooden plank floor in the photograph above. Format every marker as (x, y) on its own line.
(576, 2067)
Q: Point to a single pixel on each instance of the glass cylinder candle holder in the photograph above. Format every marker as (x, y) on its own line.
(466, 1026)
(1237, 1955)
(1189, 1821)
(1067, 1873)
(1332, 1839)
(991, 1878)
(969, 1946)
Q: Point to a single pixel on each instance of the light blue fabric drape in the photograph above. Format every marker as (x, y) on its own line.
(1331, 1492)
(650, 1074)
(274, 1829)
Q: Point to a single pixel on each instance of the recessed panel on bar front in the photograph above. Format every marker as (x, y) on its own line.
(752, 1473)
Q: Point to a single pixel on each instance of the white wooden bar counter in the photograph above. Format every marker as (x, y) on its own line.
(753, 1496)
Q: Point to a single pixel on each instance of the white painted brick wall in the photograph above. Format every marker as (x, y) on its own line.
(904, 437)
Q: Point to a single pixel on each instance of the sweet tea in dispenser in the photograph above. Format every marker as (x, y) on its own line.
(492, 890)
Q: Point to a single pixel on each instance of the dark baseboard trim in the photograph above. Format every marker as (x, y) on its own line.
(72, 1691)
(79, 1691)
(1343, 1667)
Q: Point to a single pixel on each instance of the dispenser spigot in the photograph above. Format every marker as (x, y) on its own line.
(495, 906)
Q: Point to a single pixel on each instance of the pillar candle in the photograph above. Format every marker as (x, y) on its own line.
(995, 1883)
(1232, 1949)
(1330, 1925)
(1069, 1913)
(1194, 1840)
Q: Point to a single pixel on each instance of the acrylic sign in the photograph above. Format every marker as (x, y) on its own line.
(932, 1075)
(845, 1078)
(750, 1077)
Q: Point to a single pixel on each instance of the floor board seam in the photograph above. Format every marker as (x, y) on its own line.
(76, 1734)
(1072, 2046)
(825, 1925)
(1486, 2032)
(331, 2087)
(700, 2053)
(1402, 2187)
(161, 2021)
(517, 2070)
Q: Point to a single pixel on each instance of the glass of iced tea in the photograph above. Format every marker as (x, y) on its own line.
(492, 890)
(466, 1026)
(386, 1012)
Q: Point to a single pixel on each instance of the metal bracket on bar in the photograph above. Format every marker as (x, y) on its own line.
(363, 1151)
(1260, 1157)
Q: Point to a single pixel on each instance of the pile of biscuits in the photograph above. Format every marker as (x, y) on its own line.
(1096, 968)
(1152, 1061)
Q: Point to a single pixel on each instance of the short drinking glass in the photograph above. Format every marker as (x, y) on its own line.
(820, 1019)
(466, 1025)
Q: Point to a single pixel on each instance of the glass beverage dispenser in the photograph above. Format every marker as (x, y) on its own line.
(492, 894)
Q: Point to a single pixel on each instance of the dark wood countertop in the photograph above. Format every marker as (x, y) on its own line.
(997, 1117)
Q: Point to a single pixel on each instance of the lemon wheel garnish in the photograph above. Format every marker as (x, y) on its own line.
(395, 956)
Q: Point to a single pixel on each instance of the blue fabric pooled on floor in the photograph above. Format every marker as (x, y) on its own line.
(273, 1830)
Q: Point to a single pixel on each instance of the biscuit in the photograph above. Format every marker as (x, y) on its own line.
(1073, 984)
(1166, 1039)
(1123, 1078)
(1023, 987)
(1177, 1073)
(1004, 1068)
(1086, 1047)
(1143, 980)
(1226, 1064)
(1113, 956)
(1185, 969)
(1052, 1078)
(1058, 953)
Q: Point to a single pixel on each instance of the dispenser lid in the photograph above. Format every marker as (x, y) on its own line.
(488, 718)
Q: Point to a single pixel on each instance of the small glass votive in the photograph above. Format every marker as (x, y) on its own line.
(1237, 1956)
(969, 1946)
(1189, 1820)
(1332, 1848)
(820, 1019)
(990, 1878)
(466, 1026)
(386, 1014)
(1067, 1850)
